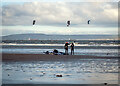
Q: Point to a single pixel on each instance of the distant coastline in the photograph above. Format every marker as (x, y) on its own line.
(58, 37)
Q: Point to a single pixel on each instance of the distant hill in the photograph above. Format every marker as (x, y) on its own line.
(55, 37)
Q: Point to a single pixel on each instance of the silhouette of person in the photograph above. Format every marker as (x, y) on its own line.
(72, 49)
(66, 48)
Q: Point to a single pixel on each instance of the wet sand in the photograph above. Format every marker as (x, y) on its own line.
(42, 69)
(44, 57)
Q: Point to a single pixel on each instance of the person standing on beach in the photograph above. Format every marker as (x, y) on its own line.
(66, 48)
(72, 49)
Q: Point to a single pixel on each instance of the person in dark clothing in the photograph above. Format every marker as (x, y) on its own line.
(72, 49)
(55, 52)
(66, 48)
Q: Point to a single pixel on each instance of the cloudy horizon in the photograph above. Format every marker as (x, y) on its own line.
(51, 18)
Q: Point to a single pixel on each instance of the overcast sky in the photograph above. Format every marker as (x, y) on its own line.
(51, 17)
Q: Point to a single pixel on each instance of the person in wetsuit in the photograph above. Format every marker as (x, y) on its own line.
(66, 48)
(72, 49)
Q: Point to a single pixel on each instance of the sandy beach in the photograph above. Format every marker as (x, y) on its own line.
(43, 57)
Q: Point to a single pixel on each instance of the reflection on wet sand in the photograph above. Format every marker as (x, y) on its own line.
(80, 71)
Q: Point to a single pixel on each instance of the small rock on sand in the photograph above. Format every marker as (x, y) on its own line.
(105, 83)
(58, 75)
(8, 74)
(30, 78)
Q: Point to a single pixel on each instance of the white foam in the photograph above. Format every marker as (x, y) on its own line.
(15, 44)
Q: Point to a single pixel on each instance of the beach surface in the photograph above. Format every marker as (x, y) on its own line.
(43, 69)
(44, 57)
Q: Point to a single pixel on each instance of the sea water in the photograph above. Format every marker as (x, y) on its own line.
(96, 48)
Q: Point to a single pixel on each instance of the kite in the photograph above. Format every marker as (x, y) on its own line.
(33, 22)
(88, 21)
(68, 23)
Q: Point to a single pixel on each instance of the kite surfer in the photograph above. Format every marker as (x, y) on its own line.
(66, 48)
(72, 49)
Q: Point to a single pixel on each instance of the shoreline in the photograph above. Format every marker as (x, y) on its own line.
(46, 57)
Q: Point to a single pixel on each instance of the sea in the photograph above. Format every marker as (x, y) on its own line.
(82, 47)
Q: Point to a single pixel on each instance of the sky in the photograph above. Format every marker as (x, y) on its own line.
(51, 17)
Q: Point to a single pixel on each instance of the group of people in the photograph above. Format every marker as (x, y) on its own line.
(56, 52)
(66, 48)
